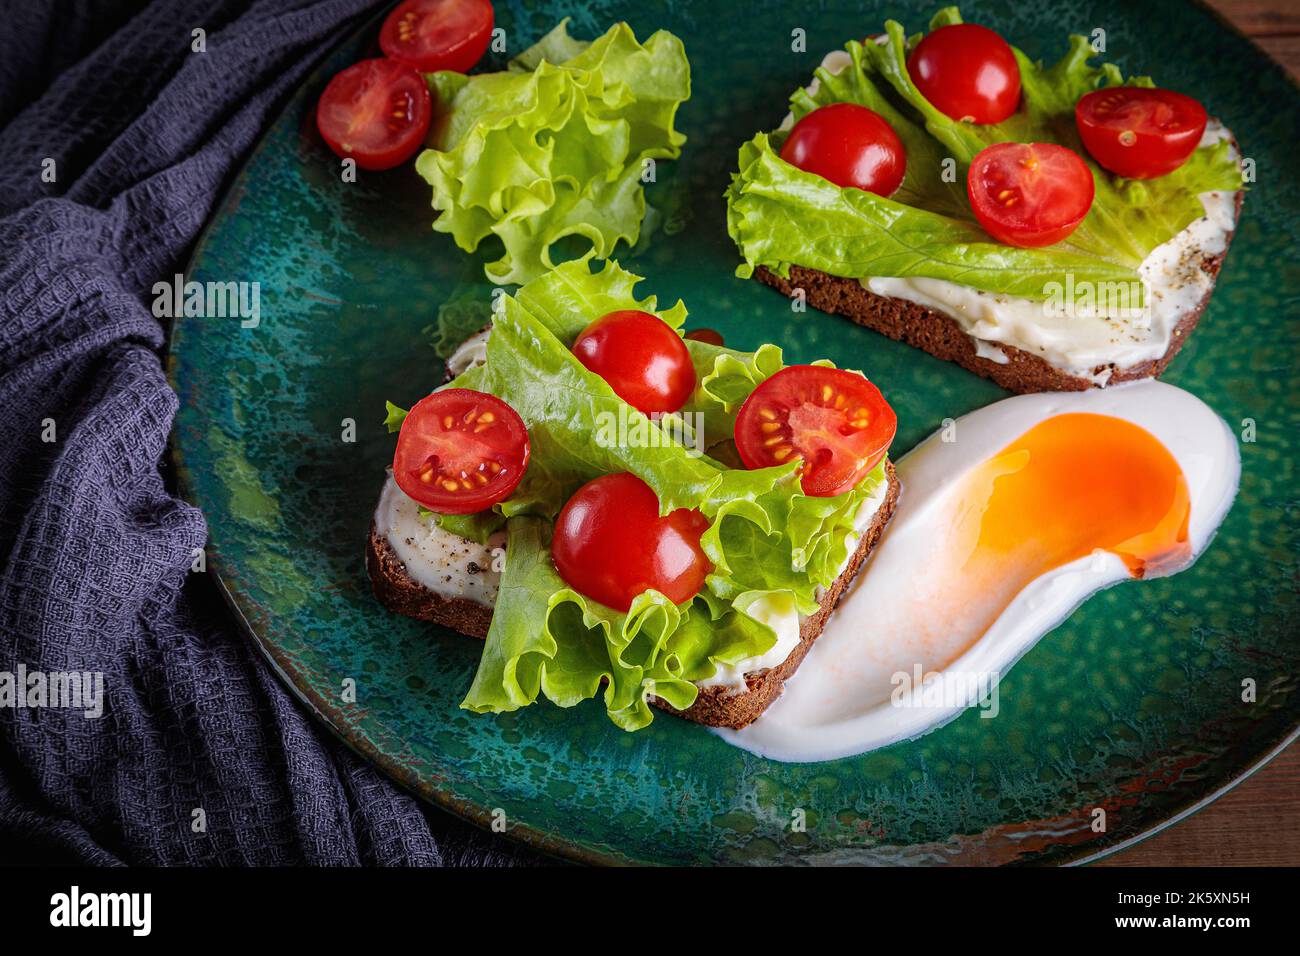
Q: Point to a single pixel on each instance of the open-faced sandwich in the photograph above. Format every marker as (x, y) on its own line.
(616, 507)
(1046, 227)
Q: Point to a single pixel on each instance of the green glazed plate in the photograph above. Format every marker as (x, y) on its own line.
(1135, 704)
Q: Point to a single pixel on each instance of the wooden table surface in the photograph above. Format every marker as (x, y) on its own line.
(1274, 25)
(1257, 822)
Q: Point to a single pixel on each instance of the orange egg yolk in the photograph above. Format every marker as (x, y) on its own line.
(1067, 487)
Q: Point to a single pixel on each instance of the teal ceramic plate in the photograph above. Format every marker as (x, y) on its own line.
(1134, 704)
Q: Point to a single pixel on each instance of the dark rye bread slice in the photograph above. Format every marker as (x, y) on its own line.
(941, 336)
(402, 594)
(714, 706)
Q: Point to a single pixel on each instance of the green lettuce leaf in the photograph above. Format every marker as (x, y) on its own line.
(554, 146)
(548, 639)
(765, 536)
(458, 319)
(393, 420)
(779, 215)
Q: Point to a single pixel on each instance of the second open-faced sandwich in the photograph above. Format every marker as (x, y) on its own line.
(621, 510)
(1046, 227)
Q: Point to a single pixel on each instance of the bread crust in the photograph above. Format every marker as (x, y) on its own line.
(717, 707)
(940, 334)
(400, 593)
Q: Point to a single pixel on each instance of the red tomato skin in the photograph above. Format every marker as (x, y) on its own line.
(459, 56)
(1151, 152)
(707, 336)
(849, 145)
(796, 395)
(1073, 185)
(644, 361)
(610, 544)
(338, 104)
(509, 437)
(967, 72)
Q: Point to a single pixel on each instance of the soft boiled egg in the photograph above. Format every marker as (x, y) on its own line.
(1009, 518)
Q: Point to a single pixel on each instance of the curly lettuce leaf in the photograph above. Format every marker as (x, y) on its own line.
(779, 216)
(458, 319)
(782, 540)
(567, 299)
(765, 537)
(566, 406)
(547, 639)
(554, 146)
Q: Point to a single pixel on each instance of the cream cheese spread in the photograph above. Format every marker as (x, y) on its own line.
(445, 563)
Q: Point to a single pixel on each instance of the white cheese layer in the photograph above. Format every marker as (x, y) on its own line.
(470, 353)
(778, 612)
(1072, 339)
(1078, 340)
(445, 563)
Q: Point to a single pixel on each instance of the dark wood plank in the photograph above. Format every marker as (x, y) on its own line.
(1261, 17)
(1284, 49)
(1257, 823)
(1273, 24)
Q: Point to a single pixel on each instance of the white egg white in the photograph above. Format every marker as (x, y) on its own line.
(848, 697)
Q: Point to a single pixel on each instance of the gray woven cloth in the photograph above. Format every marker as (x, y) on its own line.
(94, 546)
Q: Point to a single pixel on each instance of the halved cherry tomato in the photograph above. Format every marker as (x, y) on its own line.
(460, 451)
(707, 336)
(610, 544)
(1029, 194)
(438, 34)
(1139, 133)
(836, 421)
(849, 145)
(376, 112)
(644, 361)
(967, 72)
